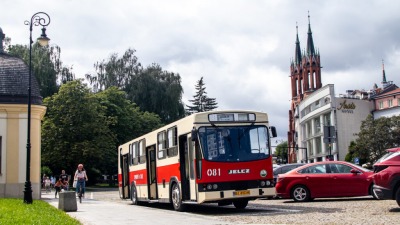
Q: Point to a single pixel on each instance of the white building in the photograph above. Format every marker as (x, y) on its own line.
(320, 109)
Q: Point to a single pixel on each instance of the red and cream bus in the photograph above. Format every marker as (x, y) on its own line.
(222, 157)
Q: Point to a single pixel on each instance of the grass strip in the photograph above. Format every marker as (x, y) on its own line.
(15, 211)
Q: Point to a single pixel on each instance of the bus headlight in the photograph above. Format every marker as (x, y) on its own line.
(268, 183)
(262, 183)
(263, 173)
(209, 186)
(215, 186)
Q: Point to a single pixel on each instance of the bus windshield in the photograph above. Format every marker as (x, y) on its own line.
(234, 144)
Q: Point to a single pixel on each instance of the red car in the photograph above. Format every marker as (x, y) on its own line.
(387, 176)
(324, 180)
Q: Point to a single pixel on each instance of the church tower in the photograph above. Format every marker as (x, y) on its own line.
(305, 77)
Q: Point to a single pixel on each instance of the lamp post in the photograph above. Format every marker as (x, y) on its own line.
(37, 19)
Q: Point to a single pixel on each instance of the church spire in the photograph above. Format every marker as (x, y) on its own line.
(297, 54)
(310, 42)
(384, 82)
(383, 72)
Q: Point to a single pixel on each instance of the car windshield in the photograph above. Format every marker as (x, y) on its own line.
(243, 143)
(387, 156)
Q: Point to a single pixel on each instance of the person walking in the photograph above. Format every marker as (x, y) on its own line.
(65, 178)
(47, 184)
(60, 185)
(81, 178)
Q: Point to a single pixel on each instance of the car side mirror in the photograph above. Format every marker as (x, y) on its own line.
(354, 171)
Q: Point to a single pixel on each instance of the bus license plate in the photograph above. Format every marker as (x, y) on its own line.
(239, 193)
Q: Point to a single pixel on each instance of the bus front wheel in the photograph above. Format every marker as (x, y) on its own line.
(240, 204)
(176, 198)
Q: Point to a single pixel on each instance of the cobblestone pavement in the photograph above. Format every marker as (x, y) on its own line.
(361, 210)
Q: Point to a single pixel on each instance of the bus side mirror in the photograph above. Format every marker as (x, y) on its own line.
(273, 131)
(194, 134)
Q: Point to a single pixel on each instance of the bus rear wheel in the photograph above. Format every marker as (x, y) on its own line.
(176, 198)
(240, 204)
(134, 196)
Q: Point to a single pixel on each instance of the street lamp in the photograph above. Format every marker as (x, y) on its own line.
(37, 19)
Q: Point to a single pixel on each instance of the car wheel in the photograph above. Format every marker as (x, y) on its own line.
(372, 192)
(398, 196)
(300, 193)
(240, 204)
(176, 198)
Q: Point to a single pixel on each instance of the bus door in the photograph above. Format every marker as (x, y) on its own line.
(151, 172)
(187, 168)
(190, 159)
(125, 176)
(184, 167)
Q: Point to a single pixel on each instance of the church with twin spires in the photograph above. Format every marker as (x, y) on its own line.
(305, 76)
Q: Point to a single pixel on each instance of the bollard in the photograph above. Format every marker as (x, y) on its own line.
(67, 201)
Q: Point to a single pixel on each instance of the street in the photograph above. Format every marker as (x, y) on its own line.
(361, 210)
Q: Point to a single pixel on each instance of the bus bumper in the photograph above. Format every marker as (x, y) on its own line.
(214, 196)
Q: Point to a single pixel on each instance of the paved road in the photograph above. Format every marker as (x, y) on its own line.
(107, 208)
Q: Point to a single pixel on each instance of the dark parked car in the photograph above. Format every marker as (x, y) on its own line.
(285, 168)
(387, 176)
(324, 180)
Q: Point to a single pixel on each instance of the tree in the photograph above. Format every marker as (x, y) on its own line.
(375, 137)
(116, 71)
(83, 127)
(201, 102)
(76, 130)
(158, 91)
(281, 150)
(351, 154)
(152, 89)
(46, 66)
(126, 119)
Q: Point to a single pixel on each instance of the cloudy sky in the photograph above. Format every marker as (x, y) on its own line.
(241, 48)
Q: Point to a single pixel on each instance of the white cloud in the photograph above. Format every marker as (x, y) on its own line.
(241, 48)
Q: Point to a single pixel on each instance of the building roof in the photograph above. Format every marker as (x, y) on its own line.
(387, 94)
(14, 79)
(390, 89)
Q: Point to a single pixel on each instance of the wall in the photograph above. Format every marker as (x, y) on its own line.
(13, 129)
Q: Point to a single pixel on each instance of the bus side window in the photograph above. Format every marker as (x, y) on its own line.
(142, 152)
(135, 154)
(162, 150)
(172, 141)
(130, 158)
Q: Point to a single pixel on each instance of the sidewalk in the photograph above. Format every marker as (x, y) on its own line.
(93, 211)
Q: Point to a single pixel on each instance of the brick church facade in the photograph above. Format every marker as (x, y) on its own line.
(305, 76)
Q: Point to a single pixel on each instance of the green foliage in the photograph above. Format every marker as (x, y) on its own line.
(158, 91)
(201, 102)
(14, 211)
(152, 89)
(46, 170)
(126, 121)
(83, 127)
(116, 71)
(352, 152)
(281, 150)
(75, 130)
(375, 137)
(46, 66)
